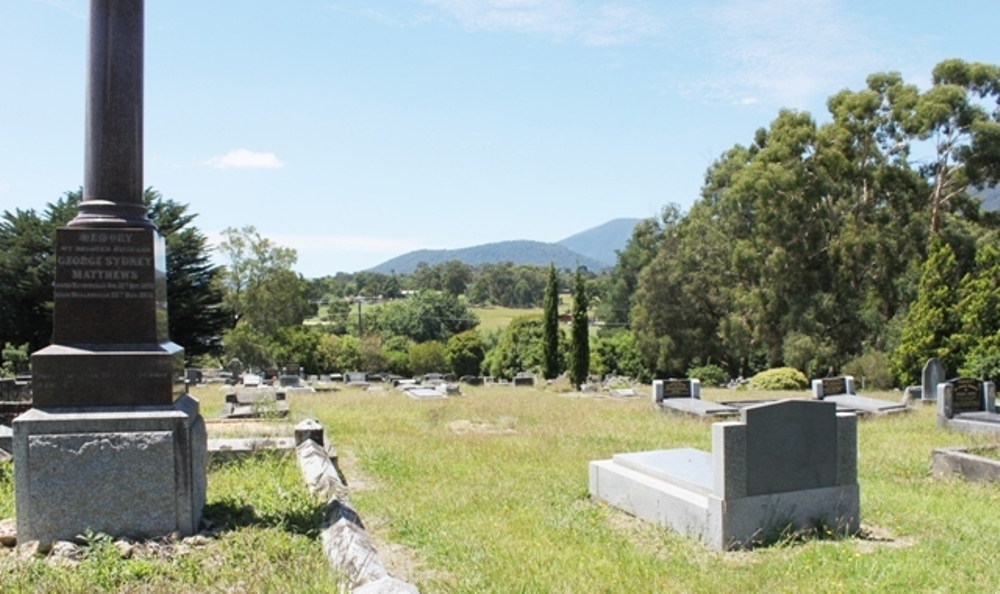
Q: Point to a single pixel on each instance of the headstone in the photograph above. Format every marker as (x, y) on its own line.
(675, 388)
(193, 376)
(833, 386)
(112, 444)
(523, 380)
(968, 398)
(933, 374)
(289, 381)
(235, 367)
(356, 377)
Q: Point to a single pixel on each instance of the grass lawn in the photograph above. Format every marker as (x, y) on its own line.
(487, 492)
(491, 318)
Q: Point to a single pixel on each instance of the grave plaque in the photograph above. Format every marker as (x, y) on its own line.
(967, 396)
(833, 386)
(677, 388)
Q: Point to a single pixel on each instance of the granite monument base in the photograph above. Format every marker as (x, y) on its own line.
(136, 472)
(116, 375)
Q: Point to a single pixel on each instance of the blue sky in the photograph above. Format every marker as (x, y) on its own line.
(358, 130)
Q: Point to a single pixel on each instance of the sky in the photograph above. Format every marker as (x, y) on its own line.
(358, 130)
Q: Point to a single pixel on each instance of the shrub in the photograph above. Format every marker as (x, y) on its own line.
(779, 378)
(709, 374)
(427, 357)
(873, 370)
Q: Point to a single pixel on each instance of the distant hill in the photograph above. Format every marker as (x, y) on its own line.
(535, 253)
(601, 242)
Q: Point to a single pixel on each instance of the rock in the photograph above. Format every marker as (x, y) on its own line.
(8, 532)
(125, 549)
(33, 548)
(198, 540)
(387, 585)
(66, 550)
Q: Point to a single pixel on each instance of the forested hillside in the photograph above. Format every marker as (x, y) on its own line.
(520, 252)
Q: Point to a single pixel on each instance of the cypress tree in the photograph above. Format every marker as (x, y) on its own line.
(550, 327)
(580, 366)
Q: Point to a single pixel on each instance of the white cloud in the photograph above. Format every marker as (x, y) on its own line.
(785, 52)
(243, 158)
(608, 23)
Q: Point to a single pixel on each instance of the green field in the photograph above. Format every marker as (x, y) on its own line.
(487, 492)
(492, 318)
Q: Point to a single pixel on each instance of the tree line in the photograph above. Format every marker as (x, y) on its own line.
(856, 245)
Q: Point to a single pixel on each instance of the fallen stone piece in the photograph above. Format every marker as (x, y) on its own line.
(387, 585)
(345, 542)
(8, 533)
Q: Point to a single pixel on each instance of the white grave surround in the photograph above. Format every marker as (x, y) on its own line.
(127, 471)
(787, 464)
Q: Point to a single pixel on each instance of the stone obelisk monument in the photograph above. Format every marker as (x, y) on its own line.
(112, 445)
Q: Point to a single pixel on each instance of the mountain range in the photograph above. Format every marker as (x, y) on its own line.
(594, 248)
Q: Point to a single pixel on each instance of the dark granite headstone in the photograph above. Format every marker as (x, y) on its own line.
(109, 338)
(108, 446)
(967, 396)
(110, 344)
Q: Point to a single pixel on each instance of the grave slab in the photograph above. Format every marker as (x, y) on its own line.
(841, 391)
(969, 405)
(786, 464)
(424, 393)
(683, 396)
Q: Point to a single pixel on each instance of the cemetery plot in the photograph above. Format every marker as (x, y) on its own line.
(255, 403)
(967, 404)
(789, 464)
(841, 391)
(683, 396)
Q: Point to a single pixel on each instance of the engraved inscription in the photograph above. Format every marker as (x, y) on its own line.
(834, 386)
(676, 389)
(967, 396)
(104, 265)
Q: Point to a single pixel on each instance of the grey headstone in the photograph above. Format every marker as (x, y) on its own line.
(933, 374)
(791, 445)
(289, 381)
